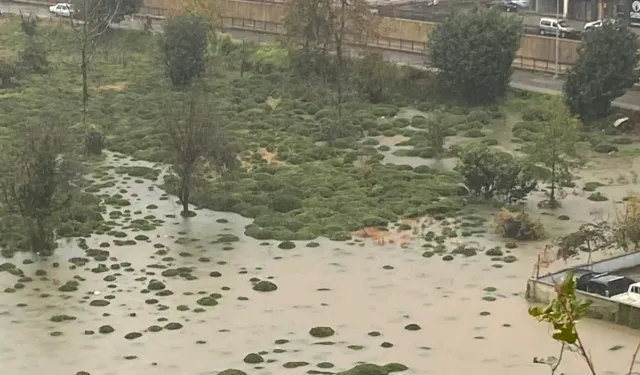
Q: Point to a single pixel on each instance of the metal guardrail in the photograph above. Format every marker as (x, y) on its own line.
(393, 44)
(528, 63)
(403, 45)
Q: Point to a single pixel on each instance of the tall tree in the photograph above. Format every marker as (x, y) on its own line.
(184, 45)
(34, 57)
(473, 52)
(353, 23)
(555, 146)
(605, 70)
(32, 185)
(90, 24)
(196, 142)
(309, 33)
(316, 29)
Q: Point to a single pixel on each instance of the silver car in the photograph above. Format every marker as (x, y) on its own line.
(552, 27)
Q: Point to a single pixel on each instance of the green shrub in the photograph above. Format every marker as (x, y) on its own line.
(283, 203)
(183, 45)
(604, 148)
(519, 226)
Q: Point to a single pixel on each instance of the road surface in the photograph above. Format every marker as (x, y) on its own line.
(521, 79)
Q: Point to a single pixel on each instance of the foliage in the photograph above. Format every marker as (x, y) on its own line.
(209, 10)
(563, 314)
(309, 31)
(9, 74)
(518, 225)
(29, 25)
(275, 121)
(93, 141)
(589, 237)
(316, 28)
(375, 76)
(627, 224)
(35, 58)
(35, 174)
(195, 139)
(554, 146)
(183, 45)
(604, 70)
(270, 59)
(473, 52)
(490, 173)
(436, 133)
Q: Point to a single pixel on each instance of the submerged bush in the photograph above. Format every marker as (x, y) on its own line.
(519, 226)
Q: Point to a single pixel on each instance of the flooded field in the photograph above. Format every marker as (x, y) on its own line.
(182, 301)
(149, 292)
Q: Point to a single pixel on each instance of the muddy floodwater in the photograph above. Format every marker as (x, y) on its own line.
(470, 311)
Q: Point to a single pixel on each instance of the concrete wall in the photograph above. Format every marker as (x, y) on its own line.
(407, 32)
(543, 290)
(614, 264)
(601, 307)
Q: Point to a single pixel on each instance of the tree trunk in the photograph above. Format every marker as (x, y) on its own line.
(85, 85)
(185, 185)
(552, 195)
(185, 202)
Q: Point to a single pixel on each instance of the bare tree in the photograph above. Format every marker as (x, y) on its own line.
(35, 175)
(90, 24)
(589, 237)
(196, 142)
(352, 23)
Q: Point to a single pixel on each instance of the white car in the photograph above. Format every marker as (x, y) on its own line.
(597, 24)
(62, 9)
(521, 3)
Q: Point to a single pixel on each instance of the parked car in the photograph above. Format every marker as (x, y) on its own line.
(631, 297)
(521, 3)
(551, 26)
(62, 10)
(582, 276)
(599, 23)
(609, 285)
(505, 5)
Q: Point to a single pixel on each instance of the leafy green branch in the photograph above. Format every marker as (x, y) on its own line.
(563, 314)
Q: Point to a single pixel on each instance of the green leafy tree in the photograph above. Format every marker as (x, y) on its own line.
(489, 173)
(436, 134)
(36, 173)
(473, 52)
(554, 147)
(184, 46)
(34, 56)
(563, 314)
(605, 70)
(374, 76)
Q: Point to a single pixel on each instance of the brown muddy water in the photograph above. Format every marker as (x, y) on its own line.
(357, 288)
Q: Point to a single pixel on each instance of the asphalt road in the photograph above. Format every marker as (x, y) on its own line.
(521, 79)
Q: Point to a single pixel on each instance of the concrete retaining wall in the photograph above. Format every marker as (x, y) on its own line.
(543, 290)
(405, 32)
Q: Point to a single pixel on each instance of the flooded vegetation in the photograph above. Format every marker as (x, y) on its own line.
(321, 251)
